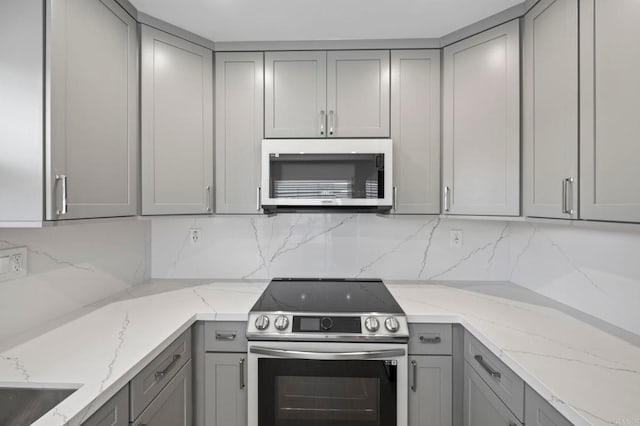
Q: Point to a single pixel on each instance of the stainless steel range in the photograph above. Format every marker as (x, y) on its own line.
(327, 352)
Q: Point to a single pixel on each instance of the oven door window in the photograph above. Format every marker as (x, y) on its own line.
(293, 392)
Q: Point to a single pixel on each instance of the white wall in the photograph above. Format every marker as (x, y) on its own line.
(70, 267)
(595, 271)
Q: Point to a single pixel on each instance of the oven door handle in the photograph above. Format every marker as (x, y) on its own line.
(328, 356)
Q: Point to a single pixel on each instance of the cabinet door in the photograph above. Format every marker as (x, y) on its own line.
(225, 389)
(609, 105)
(177, 125)
(358, 93)
(430, 391)
(481, 406)
(538, 412)
(114, 412)
(551, 109)
(481, 134)
(239, 130)
(415, 130)
(295, 94)
(92, 110)
(173, 406)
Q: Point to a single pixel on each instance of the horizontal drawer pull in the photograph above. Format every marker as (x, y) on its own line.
(160, 374)
(225, 335)
(487, 367)
(430, 340)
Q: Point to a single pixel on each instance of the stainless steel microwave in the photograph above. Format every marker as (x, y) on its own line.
(298, 173)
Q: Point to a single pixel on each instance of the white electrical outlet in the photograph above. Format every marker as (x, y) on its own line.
(455, 238)
(13, 263)
(195, 236)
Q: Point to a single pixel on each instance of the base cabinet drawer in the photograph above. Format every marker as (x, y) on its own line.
(430, 391)
(538, 412)
(173, 405)
(481, 405)
(225, 389)
(225, 336)
(430, 339)
(114, 413)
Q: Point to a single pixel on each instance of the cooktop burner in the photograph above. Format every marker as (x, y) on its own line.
(327, 309)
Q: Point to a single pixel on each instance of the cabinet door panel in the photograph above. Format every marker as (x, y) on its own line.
(239, 130)
(539, 412)
(610, 129)
(415, 130)
(430, 392)
(481, 406)
(481, 135)
(93, 109)
(551, 108)
(114, 412)
(177, 125)
(226, 397)
(358, 93)
(295, 94)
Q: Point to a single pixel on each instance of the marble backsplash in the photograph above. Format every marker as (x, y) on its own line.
(69, 268)
(593, 270)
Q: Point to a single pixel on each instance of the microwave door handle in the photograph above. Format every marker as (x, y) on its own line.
(328, 356)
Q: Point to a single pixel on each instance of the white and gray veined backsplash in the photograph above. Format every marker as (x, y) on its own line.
(593, 270)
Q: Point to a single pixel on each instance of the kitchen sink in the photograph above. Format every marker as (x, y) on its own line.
(23, 406)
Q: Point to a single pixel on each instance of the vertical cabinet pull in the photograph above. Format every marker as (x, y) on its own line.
(414, 376)
(567, 196)
(63, 180)
(208, 205)
(447, 201)
(258, 197)
(331, 123)
(242, 384)
(322, 120)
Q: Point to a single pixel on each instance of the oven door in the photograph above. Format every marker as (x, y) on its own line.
(327, 384)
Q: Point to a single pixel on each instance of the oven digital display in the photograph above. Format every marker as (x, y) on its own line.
(309, 324)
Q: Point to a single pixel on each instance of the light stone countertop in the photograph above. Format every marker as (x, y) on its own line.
(590, 375)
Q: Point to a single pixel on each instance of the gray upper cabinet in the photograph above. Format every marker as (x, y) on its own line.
(415, 130)
(92, 142)
(550, 109)
(177, 125)
(225, 389)
(295, 94)
(481, 119)
(358, 93)
(430, 391)
(239, 130)
(609, 105)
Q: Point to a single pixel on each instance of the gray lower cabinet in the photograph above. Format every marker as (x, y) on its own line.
(176, 125)
(481, 123)
(239, 120)
(114, 412)
(538, 412)
(430, 391)
(415, 130)
(481, 406)
(609, 105)
(225, 389)
(550, 109)
(173, 405)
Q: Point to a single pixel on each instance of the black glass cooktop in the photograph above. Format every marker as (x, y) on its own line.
(323, 295)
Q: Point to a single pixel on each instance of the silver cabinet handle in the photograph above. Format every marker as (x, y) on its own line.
(63, 180)
(395, 198)
(258, 197)
(447, 201)
(223, 335)
(160, 374)
(567, 196)
(208, 205)
(430, 340)
(487, 367)
(331, 123)
(414, 375)
(242, 384)
(331, 356)
(322, 120)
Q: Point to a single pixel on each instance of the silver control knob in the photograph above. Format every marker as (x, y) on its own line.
(262, 322)
(392, 324)
(371, 324)
(281, 323)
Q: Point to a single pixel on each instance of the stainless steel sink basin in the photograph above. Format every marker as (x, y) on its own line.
(23, 406)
